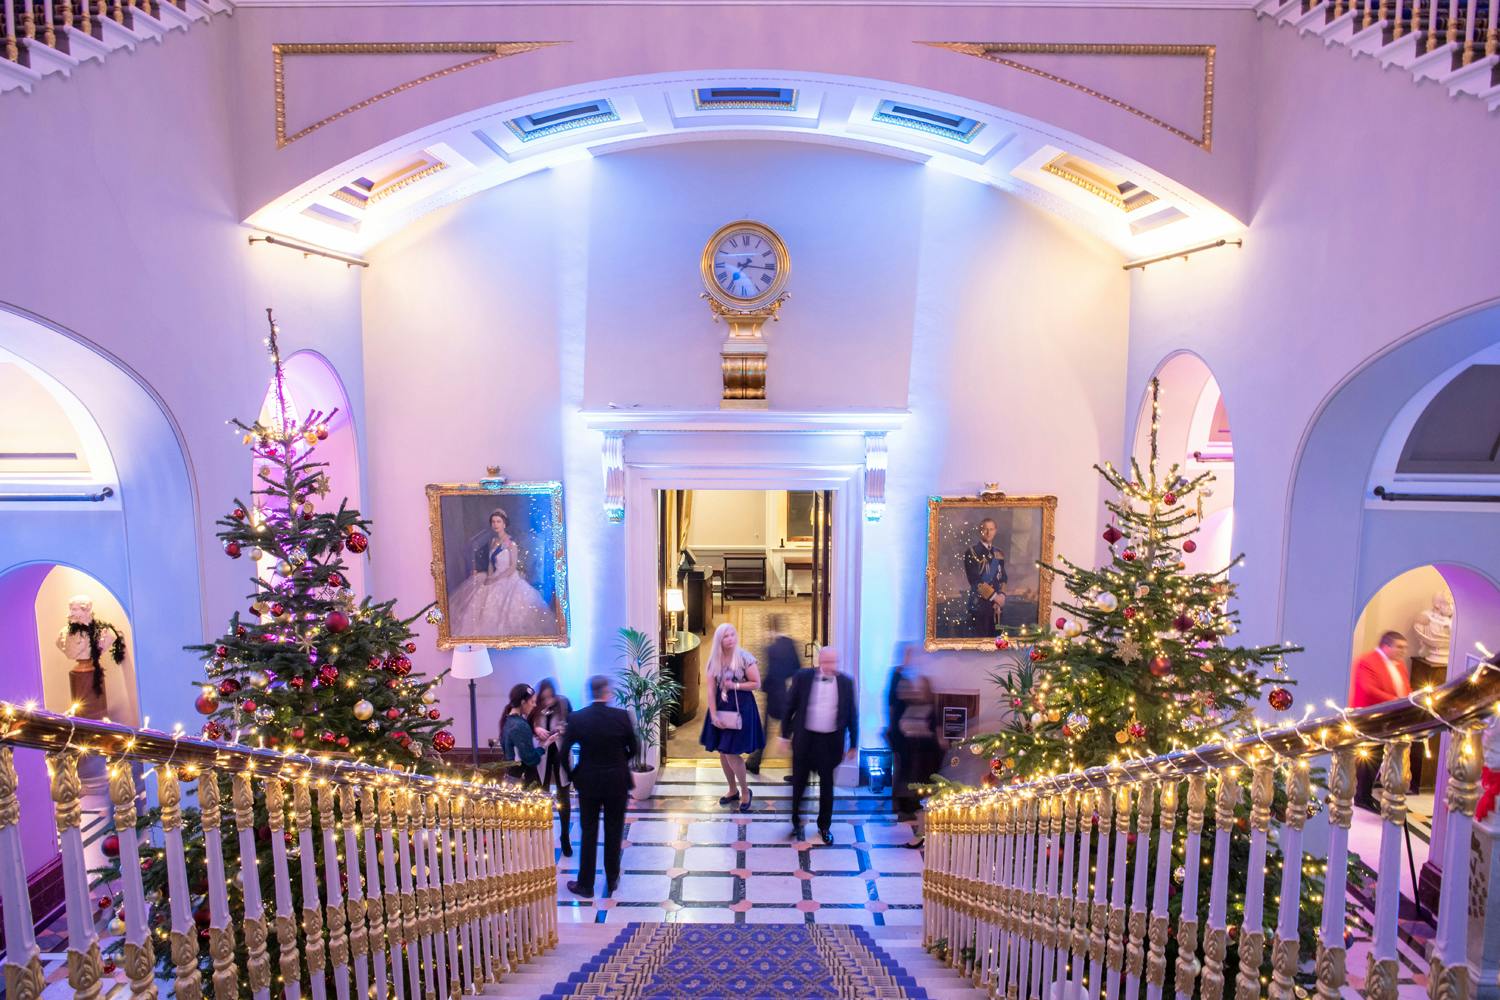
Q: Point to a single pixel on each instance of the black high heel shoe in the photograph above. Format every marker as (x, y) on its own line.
(745, 805)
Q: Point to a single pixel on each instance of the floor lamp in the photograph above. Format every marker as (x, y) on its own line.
(471, 663)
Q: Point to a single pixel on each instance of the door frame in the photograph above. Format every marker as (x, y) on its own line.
(643, 603)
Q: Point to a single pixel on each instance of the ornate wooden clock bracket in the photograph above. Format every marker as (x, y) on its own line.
(743, 356)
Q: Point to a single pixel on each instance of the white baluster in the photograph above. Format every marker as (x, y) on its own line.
(385, 927)
(1115, 950)
(226, 976)
(187, 984)
(394, 806)
(1067, 806)
(1080, 939)
(1135, 944)
(1252, 929)
(288, 958)
(1098, 917)
(256, 933)
(1331, 951)
(1448, 976)
(333, 913)
(443, 813)
(1284, 960)
(140, 956)
(23, 964)
(1216, 937)
(1380, 979)
(1187, 923)
(1156, 956)
(359, 939)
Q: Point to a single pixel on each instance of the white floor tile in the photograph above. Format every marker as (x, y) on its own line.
(773, 889)
(895, 859)
(769, 831)
(775, 915)
(899, 890)
(707, 889)
(772, 859)
(636, 915)
(862, 917)
(648, 858)
(643, 888)
(703, 915)
(709, 859)
(712, 832)
(834, 859)
(652, 831)
(888, 833)
(840, 889)
(903, 918)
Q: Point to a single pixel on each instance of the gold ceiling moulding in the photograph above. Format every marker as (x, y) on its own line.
(483, 52)
(1002, 53)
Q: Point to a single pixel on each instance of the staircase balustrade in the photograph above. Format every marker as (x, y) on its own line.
(428, 886)
(1012, 899)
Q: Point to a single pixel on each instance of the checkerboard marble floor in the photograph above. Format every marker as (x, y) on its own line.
(689, 860)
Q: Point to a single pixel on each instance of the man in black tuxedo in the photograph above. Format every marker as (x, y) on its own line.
(819, 711)
(606, 742)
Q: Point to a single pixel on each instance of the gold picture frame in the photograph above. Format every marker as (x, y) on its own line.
(1024, 534)
(503, 585)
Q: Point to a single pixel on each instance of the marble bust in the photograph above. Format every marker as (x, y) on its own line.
(1434, 629)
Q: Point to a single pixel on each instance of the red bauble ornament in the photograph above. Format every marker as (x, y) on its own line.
(400, 736)
(278, 609)
(1061, 622)
(1001, 642)
(411, 647)
(1160, 666)
(105, 902)
(1112, 534)
(328, 673)
(434, 714)
(1128, 555)
(110, 846)
(221, 651)
(1190, 546)
(322, 433)
(248, 705)
(343, 741)
(1129, 613)
(1137, 730)
(335, 580)
(1036, 655)
(273, 741)
(393, 683)
(357, 542)
(402, 666)
(297, 683)
(207, 703)
(337, 622)
(376, 663)
(1169, 499)
(228, 686)
(1067, 731)
(240, 630)
(996, 764)
(1183, 623)
(393, 714)
(1280, 699)
(238, 513)
(213, 731)
(232, 549)
(326, 736)
(298, 733)
(442, 741)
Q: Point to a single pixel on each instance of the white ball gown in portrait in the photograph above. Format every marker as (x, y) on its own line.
(500, 601)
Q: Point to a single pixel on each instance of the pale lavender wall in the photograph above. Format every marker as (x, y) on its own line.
(1001, 329)
(122, 231)
(877, 43)
(1371, 215)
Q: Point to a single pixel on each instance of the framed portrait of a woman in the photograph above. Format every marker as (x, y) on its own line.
(499, 568)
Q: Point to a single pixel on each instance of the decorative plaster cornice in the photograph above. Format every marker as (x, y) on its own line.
(484, 52)
(917, 4)
(999, 52)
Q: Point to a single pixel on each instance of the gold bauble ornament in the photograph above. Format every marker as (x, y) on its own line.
(429, 697)
(363, 710)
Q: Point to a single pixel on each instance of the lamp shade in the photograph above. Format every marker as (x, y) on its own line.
(471, 663)
(674, 600)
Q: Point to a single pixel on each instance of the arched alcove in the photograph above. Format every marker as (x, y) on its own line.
(310, 384)
(1193, 433)
(136, 541)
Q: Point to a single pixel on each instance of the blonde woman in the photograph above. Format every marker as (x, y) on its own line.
(732, 727)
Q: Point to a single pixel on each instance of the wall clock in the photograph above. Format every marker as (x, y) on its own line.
(745, 267)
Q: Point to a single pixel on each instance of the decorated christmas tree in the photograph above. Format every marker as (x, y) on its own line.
(1140, 663)
(314, 667)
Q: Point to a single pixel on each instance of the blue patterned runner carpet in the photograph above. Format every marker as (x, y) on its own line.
(740, 961)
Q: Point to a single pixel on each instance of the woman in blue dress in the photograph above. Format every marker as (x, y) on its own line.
(518, 739)
(732, 726)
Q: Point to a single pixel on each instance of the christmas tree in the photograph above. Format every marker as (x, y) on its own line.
(314, 668)
(1140, 663)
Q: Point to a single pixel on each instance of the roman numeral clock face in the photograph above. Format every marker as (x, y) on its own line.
(745, 265)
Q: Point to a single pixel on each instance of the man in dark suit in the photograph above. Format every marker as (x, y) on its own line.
(782, 664)
(984, 567)
(606, 742)
(820, 710)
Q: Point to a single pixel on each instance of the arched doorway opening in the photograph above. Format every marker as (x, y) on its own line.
(310, 384)
(1193, 433)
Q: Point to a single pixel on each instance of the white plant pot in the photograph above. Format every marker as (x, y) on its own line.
(645, 784)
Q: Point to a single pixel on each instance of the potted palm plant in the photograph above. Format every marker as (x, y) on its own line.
(648, 694)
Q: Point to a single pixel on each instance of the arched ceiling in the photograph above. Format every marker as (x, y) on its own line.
(370, 197)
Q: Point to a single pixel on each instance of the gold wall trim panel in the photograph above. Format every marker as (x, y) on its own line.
(1001, 52)
(483, 52)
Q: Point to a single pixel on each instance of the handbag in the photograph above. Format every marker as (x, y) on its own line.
(728, 720)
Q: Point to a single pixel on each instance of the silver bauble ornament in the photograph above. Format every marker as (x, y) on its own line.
(283, 568)
(434, 616)
(259, 678)
(117, 927)
(1106, 601)
(1078, 722)
(1179, 874)
(297, 556)
(257, 554)
(429, 697)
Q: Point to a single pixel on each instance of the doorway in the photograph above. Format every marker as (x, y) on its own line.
(760, 560)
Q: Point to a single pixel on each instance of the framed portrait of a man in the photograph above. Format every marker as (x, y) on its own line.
(986, 567)
(499, 567)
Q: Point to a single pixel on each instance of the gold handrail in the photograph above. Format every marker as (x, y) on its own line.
(1455, 703)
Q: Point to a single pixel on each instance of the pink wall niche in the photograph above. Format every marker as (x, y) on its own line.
(1195, 436)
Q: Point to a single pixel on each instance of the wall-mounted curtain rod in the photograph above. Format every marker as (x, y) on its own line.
(103, 494)
(307, 248)
(1213, 456)
(1184, 254)
(1387, 495)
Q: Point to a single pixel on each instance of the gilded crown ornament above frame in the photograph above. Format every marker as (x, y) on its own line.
(1004, 54)
(483, 52)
